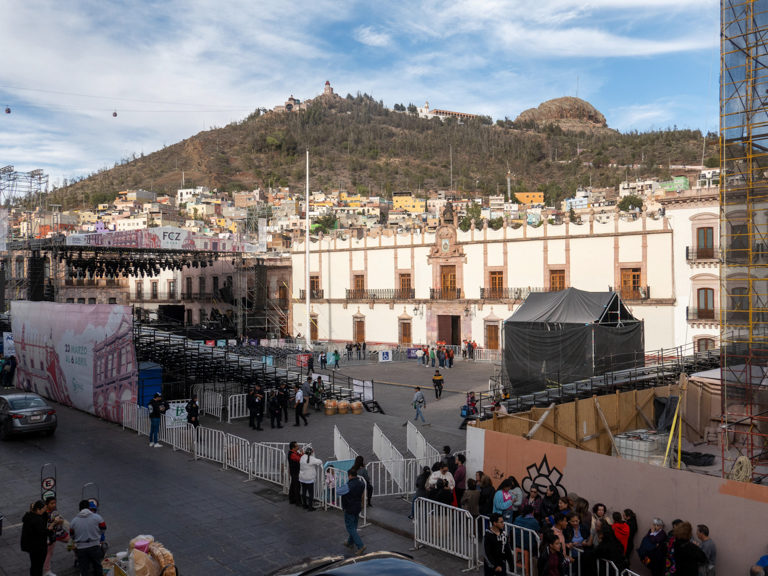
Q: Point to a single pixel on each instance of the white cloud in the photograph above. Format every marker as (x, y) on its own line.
(367, 35)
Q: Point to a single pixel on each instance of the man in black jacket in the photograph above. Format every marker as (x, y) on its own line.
(352, 494)
(494, 546)
(34, 537)
(157, 407)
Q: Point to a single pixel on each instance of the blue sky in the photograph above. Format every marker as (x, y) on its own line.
(172, 68)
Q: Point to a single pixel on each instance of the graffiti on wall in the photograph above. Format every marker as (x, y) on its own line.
(543, 476)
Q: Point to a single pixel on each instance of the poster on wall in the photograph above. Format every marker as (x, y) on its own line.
(8, 347)
(385, 355)
(76, 354)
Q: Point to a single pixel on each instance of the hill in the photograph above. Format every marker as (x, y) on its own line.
(357, 144)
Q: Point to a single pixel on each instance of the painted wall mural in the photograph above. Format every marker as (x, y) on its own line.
(76, 354)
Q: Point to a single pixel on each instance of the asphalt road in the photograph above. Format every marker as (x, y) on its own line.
(215, 521)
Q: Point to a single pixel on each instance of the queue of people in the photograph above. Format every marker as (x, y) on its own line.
(572, 536)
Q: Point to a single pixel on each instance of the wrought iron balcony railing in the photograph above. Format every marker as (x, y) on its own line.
(441, 294)
(693, 254)
(313, 294)
(634, 292)
(693, 314)
(382, 294)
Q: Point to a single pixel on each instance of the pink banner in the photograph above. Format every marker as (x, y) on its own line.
(77, 354)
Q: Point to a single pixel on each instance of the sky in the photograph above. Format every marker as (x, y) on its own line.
(170, 68)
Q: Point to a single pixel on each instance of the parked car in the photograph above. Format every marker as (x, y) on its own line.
(24, 412)
(378, 563)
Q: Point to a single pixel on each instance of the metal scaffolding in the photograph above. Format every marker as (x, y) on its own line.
(744, 236)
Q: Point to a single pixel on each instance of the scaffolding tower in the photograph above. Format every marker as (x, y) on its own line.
(744, 237)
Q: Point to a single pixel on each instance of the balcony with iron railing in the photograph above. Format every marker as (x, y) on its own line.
(633, 292)
(313, 294)
(697, 254)
(508, 293)
(382, 294)
(443, 294)
(702, 314)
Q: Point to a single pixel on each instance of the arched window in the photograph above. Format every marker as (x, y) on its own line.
(704, 344)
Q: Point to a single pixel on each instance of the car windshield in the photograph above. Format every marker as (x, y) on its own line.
(26, 402)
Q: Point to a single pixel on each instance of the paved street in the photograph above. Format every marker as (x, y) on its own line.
(214, 521)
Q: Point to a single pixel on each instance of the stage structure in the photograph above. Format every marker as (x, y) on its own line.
(559, 337)
(744, 237)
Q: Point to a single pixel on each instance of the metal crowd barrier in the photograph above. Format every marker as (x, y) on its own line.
(269, 463)
(236, 407)
(523, 542)
(628, 572)
(212, 403)
(130, 416)
(425, 453)
(237, 454)
(341, 448)
(390, 456)
(384, 483)
(210, 445)
(445, 528)
(335, 478)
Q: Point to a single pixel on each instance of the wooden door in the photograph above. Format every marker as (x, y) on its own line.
(359, 331)
(492, 336)
(448, 282)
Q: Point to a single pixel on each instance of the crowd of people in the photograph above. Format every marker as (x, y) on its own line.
(570, 535)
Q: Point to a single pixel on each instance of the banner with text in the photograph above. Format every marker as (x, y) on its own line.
(76, 354)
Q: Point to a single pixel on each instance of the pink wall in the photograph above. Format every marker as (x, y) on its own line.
(734, 511)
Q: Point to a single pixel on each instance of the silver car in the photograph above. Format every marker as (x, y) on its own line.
(22, 412)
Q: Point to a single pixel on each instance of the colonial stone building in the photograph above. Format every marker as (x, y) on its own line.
(449, 285)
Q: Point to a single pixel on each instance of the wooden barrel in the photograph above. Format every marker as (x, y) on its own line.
(343, 407)
(357, 407)
(330, 407)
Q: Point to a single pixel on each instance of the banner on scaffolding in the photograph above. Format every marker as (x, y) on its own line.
(76, 354)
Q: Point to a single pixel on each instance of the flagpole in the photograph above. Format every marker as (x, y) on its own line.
(308, 330)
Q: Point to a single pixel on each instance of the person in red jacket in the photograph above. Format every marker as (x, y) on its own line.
(620, 530)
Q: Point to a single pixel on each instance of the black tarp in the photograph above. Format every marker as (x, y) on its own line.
(560, 337)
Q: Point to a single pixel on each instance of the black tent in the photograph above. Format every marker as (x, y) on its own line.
(560, 337)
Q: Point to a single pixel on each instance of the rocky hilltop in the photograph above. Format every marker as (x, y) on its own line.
(568, 113)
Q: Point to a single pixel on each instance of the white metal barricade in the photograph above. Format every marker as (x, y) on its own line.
(143, 421)
(341, 448)
(268, 463)
(334, 478)
(210, 444)
(628, 572)
(130, 412)
(236, 407)
(523, 543)
(389, 455)
(183, 438)
(212, 403)
(384, 484)
(425, 453)
(445, 528)
(607, 568)
(237, 454)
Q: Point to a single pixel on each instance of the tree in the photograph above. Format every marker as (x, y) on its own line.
(630, 202)
(325, 223)
(712, 162)
(473, 213)
(496, 223)
(412, 108)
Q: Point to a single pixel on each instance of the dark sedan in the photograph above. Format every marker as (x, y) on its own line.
(374, 563)
(25, 412)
